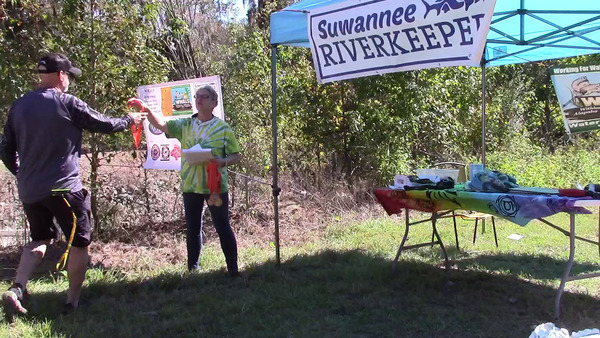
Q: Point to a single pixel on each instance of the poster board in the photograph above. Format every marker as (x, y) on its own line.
(578, 91)
(174, 100)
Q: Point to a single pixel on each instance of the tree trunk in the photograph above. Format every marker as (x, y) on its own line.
(95, 159)
(318, 174)
(94, 166)
(548, 116)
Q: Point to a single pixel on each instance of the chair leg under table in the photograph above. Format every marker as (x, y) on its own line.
(475, 231)
(455, 232)
(494, 228)
(483, 227)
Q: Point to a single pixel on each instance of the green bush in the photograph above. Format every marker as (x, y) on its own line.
(534, 166)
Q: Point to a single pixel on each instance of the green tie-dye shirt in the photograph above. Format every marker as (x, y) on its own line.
(214, 134)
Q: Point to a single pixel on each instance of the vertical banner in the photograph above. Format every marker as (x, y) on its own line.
(356, 38)
(578, 92)
(175, 100)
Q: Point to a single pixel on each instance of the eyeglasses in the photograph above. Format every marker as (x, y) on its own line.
(203, 96)
(69, 75)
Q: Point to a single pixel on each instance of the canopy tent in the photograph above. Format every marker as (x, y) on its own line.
(521, 31)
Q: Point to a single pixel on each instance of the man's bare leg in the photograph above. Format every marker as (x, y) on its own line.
(76, 267)
(32, 255)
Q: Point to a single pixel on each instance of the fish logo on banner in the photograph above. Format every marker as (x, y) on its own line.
(356, 38)
(447, 5)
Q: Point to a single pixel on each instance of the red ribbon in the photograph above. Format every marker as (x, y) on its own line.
(133, 102)
(136, 130)
(214, 178)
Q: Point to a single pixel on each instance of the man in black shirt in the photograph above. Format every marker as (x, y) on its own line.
(41, 146)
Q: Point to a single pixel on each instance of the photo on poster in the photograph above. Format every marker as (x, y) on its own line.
(155, 152)
(182, 100)
(165, 152)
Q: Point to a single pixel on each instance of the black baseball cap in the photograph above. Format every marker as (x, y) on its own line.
(55, 62)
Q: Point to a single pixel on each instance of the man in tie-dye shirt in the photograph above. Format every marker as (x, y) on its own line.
(209, 132)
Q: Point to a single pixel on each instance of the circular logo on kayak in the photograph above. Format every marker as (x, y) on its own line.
(507, 206)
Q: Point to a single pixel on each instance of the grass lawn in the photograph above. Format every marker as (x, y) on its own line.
(341, 285)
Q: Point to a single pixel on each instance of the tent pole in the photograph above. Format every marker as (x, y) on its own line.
(274, 186)
(483, 62)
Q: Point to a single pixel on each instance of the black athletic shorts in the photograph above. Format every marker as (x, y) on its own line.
(41, 214)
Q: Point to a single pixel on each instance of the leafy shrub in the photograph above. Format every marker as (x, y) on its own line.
(534, 166)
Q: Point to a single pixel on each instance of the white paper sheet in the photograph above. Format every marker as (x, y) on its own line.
(515, 237)
(197, 155)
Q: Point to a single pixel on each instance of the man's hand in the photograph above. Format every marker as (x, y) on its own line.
(137, 103)
(138, 117)
(155, 118)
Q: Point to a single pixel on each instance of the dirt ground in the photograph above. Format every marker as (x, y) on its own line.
(141, 215)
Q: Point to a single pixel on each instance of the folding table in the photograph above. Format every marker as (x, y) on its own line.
(515, 207)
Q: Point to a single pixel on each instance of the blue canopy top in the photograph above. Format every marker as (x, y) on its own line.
(521, 30)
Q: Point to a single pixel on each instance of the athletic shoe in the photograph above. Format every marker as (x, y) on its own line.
(68, 308)
(11, 301)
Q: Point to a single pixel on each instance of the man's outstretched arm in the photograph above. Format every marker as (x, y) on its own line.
(155, 119)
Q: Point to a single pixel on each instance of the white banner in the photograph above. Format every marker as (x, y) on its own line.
(359, 38)
(578, 92)
(175, 100)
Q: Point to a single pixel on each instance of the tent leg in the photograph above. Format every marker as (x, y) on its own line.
(275, 183)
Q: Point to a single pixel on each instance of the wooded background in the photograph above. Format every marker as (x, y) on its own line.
(355, 131)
